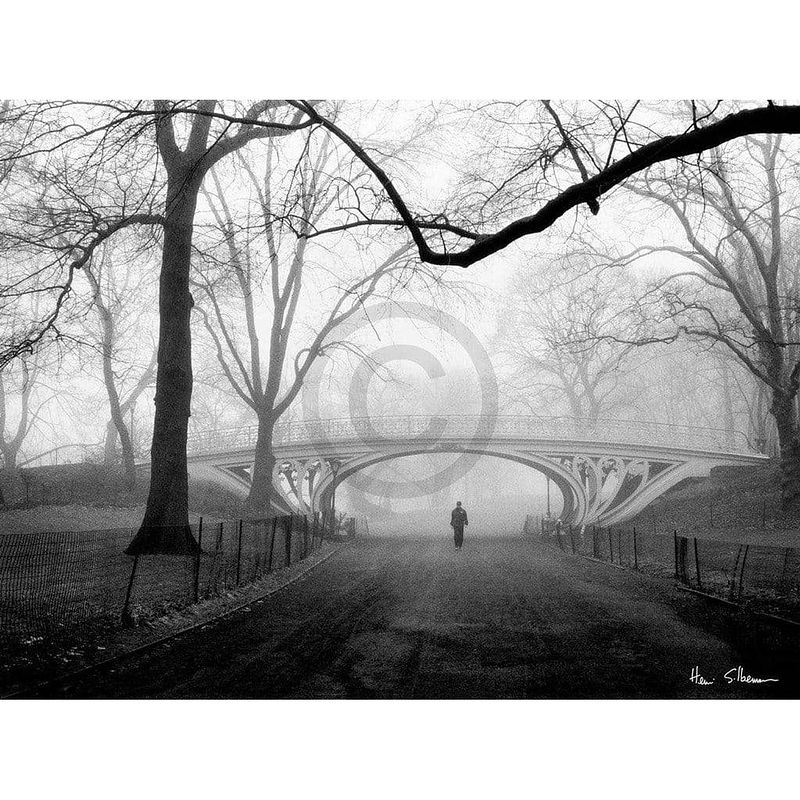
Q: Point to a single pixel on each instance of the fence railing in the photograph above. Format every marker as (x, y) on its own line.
(53, 580)
(731, 568)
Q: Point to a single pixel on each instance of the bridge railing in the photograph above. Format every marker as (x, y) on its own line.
(381, 430)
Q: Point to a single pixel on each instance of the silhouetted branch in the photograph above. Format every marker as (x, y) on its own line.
(768, 119)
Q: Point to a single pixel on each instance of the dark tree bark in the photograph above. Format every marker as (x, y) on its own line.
(262, 498)
(165, 527)
(9, 477)
(126, 407)
(783, 409)
(115, 406)
(11, 444)
(128, 463)
(110, 445)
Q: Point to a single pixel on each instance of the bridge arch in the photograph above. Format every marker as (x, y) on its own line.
(573, 492)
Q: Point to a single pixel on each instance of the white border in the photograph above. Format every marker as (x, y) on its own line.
(417, 48)
(409, 49)
(202, 749)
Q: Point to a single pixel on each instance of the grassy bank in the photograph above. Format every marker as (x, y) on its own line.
(740, 501)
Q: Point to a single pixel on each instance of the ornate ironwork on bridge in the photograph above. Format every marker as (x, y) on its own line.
(607, 470)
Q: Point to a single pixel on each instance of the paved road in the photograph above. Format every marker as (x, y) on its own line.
(503, 618)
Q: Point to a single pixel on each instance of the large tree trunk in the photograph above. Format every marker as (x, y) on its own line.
(121, 429)
(9, 476)
(263, 499)
(117, 415)
(110, 446)
(127, 454)
(786, 421)
(165, 528)
(728, 411)
(762, 434)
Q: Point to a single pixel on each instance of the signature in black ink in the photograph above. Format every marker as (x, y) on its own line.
(733, 675)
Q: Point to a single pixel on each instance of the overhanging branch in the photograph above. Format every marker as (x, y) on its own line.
(766, 119)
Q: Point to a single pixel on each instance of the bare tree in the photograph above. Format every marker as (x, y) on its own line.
(264, 375)
(741, 289)
(116, 295)
(115, 137)
(553, 335)
(12, 435)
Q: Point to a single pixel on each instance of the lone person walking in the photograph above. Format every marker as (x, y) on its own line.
(458, 519)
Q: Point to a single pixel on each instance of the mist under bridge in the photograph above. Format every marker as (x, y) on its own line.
(607, 470)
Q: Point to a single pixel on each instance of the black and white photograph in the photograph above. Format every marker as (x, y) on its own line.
(397, 392)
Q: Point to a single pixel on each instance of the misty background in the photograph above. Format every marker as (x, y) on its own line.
(619, 316)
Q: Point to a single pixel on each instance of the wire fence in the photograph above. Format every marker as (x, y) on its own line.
(725, 565)
(53, 580)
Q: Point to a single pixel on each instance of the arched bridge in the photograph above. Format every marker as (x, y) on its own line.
(607, 470)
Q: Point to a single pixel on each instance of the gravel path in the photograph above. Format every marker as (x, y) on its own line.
(503, 618)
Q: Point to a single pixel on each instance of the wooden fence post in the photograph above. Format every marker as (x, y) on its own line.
(732, 589)
(197, 561)
(220, 546)
(257, 560)
(682, 546)
(126, 617)
(272, 544)
(288, 542)
(675, 541)
(697, 565)
(741, 572)
(239, 556)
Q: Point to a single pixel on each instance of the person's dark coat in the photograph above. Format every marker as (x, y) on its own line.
(458, 517)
